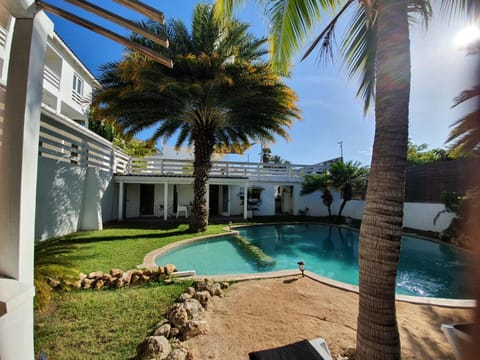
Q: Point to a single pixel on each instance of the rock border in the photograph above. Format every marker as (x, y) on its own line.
(184, 320)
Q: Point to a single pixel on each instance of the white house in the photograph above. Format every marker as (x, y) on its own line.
(59, 177)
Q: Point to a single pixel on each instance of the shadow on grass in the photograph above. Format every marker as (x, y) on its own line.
(155, 235)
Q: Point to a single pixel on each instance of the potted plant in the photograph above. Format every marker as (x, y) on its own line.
(254, 199)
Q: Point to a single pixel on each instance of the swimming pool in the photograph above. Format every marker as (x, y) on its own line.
(426, 268)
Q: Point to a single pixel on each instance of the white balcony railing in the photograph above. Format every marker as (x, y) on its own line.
(51, 77)
(171, 167)
(77, 98)
(64, 140)
(3, 36)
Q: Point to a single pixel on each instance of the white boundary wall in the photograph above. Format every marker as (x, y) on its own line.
(416, 215)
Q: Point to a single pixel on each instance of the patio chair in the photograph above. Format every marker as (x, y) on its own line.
(457, 335)
(315, 349)
(182, 208)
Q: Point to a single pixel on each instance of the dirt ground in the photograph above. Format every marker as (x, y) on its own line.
(260, 314)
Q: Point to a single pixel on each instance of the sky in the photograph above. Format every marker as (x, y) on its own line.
(331, 112)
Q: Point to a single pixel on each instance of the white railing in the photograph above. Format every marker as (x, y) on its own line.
(171, 167)
(3, 36)
(51, 77)
(64, 140)
(79, 99)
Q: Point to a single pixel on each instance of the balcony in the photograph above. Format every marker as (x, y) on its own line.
(50, 77)
(258, 171)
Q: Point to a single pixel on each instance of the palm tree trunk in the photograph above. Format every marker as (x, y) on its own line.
(380, 233)
(204, 144)
(344, 202)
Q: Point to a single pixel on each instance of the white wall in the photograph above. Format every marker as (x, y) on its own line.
(416, 215)
(68, 200)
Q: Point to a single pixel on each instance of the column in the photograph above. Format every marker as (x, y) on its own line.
(18, 164)
(165, 201)
(121, 191)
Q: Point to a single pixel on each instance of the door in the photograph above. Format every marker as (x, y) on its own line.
(213, 200)
(225, 211)
(132, 200)
(147, 197)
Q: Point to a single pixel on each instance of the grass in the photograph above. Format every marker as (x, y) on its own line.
(105, 324)
(122, 248)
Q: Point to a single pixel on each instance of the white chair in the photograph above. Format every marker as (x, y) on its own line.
(182, 208)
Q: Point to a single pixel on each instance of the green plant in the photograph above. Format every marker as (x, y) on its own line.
(453, 202)
(254, 198)
(52, 269)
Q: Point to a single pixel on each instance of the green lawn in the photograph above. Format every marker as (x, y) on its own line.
(122, 248)
(106, 324)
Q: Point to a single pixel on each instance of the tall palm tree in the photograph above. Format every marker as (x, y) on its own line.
(377, 47)
(465, 135)
(219, 93)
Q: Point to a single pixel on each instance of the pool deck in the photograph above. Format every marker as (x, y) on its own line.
(149, 262)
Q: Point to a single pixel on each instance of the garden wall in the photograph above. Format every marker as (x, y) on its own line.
(416, 215)
(71, 198)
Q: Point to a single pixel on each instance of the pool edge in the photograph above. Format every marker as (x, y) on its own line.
(149, 262)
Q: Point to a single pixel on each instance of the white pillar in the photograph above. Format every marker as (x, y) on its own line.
(121, 191)
(245, 200)
(165, 201)
(18, 164)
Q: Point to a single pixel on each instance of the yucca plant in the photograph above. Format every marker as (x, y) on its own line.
(53, 270)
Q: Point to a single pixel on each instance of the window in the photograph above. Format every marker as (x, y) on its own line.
(77, 84)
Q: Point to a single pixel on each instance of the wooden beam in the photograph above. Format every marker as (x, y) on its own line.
(120, 21)
(144, 9)
(107, 33)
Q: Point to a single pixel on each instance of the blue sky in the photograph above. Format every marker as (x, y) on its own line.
(330, 110)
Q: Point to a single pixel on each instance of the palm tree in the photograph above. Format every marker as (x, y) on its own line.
(322, 182)
(377, 47)
(219, 93)
(465, 134)
(347, 177)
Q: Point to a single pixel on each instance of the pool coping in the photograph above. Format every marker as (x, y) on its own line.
(149, 262)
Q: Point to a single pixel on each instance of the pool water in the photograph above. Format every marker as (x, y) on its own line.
(426, 268)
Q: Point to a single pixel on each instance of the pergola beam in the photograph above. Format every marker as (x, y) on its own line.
(119, 20)
(144, 9)
(107, 33)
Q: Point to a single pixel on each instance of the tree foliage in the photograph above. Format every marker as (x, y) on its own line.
(219, 93)
(420, 155)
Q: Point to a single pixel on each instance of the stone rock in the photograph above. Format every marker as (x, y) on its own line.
(118, 283)
(184, 297)
(174, 332)
(169, 268)
(194, 328)
(154, 347)
(162, 330)
(203, 297)
(116, 273)
(144, 278)
(108, 279)
(178, 316)
(135, 280)
(82, 276)
(177, 354)
(161, 322)
(95, 275)
(99, 284)
(225, 285)
(168, 281)
(127, 276)
(210, 286)
(193, 308)
(87, 283)
(190, 291)
(54, 283)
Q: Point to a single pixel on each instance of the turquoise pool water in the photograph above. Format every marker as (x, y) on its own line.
(426, 268)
